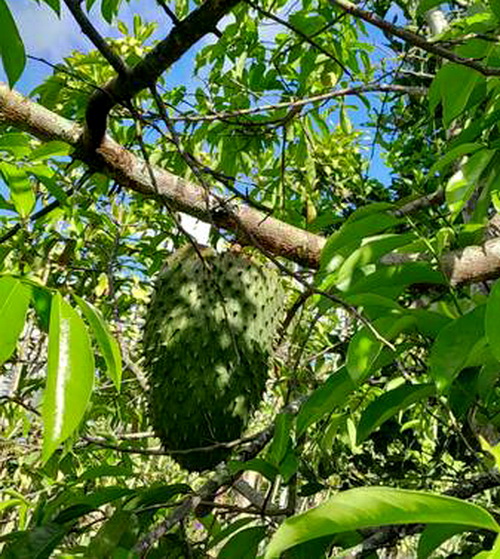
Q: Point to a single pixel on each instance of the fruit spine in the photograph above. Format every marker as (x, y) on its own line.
(208, 336)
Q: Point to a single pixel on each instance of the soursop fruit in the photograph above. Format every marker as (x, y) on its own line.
(207, 340)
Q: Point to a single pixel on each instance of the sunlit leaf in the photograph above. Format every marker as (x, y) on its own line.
(376, 506)
(70, 375)
(14, 301)
(19, 184)
(107, 343)
(11, 45)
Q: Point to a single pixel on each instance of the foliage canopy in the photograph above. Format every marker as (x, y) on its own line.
(381, 414)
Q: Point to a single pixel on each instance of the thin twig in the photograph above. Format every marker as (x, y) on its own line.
(358, 90)
(74, 6)
(413, 38)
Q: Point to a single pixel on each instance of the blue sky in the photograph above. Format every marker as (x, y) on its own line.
(49, 37)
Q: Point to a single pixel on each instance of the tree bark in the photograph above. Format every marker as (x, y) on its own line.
(469, 265)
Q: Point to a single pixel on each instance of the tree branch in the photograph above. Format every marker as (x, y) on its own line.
(145, 73)
(74, 6)
(413, 38)
(359, 90)
(472, 264)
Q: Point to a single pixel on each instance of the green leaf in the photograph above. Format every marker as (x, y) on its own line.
(367, 507)
(38, 543)
(228, 530)
(281, 438)
(70, 375)
(453, 346)
(349, 237)
(455, 83)
(391, 281)
(55, 5)
(11, 45)
(495, 7)
(426, 5)
(16, 143)
(109, 9)
(455, 153)
(54, 148)
(325, 399)
(107, 343)
(494, 450)
(492, 320)
(435, 535)
(244, 544)
(14, 301)
(365, 347)
(19, 184)
(41, 299)
(389, 404)
(109, 535)
(429, 323)
(256, 465)
(464, 182)
(370, 251)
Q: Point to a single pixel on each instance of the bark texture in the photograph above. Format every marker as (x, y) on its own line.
(469, 265)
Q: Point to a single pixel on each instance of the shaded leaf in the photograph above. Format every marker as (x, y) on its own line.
(365, 347)
(389, 404)
(38, 543)
(492, 320)
(325, 399)
(243, 544)
(464, 182)
(281, 438)
(453, 346)
(435, 535)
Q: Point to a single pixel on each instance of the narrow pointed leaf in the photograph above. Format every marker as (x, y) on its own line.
(14, 300)
(107, 343)
(11, 45)
(19, 184)
(367, 507)
(70, 375)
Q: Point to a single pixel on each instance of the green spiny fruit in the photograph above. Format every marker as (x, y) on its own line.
(208, 336)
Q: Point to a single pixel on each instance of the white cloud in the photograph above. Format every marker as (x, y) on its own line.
(43, 33)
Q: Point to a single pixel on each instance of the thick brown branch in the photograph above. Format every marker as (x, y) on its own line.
(145, 73)
(472, 264)
(132, 172)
